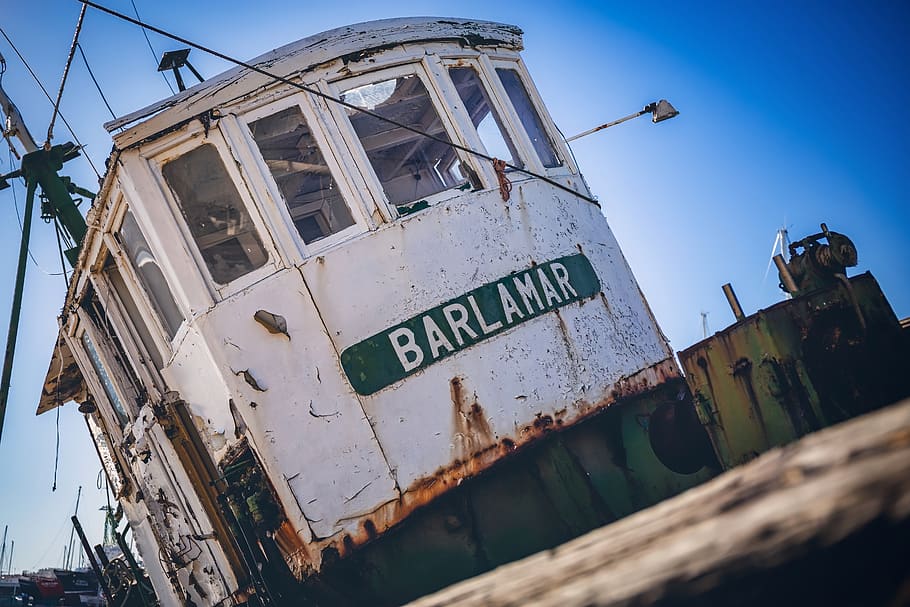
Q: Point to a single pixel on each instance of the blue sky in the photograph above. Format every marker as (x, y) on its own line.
(791, 114)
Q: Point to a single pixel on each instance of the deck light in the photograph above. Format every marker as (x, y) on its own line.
(659, 110)
(174, 60)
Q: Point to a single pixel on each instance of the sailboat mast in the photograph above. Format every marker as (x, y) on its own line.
(3, 549)
(70, 546)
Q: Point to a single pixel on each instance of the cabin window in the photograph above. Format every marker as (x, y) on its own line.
(306, 183)
(218, 220)
(409, 165)
(489, 126)
(529, 117)
(149, 272)
(126, 297)
(106, 383)
(111, 348)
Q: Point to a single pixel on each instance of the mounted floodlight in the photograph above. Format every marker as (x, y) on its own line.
(662, 110)
(174, 60)
(659, 110)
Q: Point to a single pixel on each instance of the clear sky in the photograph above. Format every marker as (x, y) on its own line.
(792, 113)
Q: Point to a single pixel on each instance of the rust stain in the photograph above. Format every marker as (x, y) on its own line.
(295, 551)
(645, 379)
(468, 414)
(472, 431)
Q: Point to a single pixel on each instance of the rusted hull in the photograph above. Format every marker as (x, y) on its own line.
(565, 482)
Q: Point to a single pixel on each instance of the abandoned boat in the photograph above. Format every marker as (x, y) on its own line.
(347, 326)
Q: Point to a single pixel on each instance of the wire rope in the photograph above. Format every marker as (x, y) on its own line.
(95, 80)
(66, 72)
(49, 98)
(335, 100)
(151, 48)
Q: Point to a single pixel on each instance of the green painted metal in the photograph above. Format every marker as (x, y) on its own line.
(13, 332)
(40, 168)
(799, 366)
(431, 336)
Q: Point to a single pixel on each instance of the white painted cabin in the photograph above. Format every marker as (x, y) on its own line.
(414, 328)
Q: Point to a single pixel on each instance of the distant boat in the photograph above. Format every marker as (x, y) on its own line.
(50, 586)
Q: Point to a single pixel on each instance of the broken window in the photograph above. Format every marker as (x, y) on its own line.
(112, 350)
(106, 454)
(409, 165)
(489, 126)
(529, 117)
(150, 275)
(215, 214)
(105, 380)
(310, 192)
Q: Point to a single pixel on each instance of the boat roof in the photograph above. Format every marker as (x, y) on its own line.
(349, 43)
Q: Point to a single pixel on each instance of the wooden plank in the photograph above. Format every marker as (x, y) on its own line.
(825, 520)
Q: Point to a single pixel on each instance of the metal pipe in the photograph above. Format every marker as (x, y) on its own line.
(734, 302)
(608, 125)
(134, 567)
(15, 125)
(785, 276)
(86, 547)
(102, 557)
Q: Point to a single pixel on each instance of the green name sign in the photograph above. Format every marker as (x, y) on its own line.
(418, 342)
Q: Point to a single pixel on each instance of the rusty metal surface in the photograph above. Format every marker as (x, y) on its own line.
(798, 366)
(479, 449)
(564, 482)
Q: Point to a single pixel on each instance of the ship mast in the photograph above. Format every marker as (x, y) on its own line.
(39, 167)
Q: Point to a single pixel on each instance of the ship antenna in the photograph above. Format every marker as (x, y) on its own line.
(781, 246)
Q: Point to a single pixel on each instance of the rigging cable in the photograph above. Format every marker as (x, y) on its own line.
(335, 100)
(151, 48)
(66, 72)
(95, 80)
(56, 450)
(49, 98)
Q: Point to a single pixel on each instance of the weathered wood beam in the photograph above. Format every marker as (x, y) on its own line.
(824, 521)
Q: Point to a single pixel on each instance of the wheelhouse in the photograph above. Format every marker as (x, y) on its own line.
(309, 306)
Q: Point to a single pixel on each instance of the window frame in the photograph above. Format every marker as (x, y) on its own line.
(157, 156)
(265, 187)
(120, 257)
(418, 66)
(112, 420)
(495, 61)
(466, 125)
(124, 327)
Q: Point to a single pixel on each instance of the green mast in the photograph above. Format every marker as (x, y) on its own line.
(40, 168)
